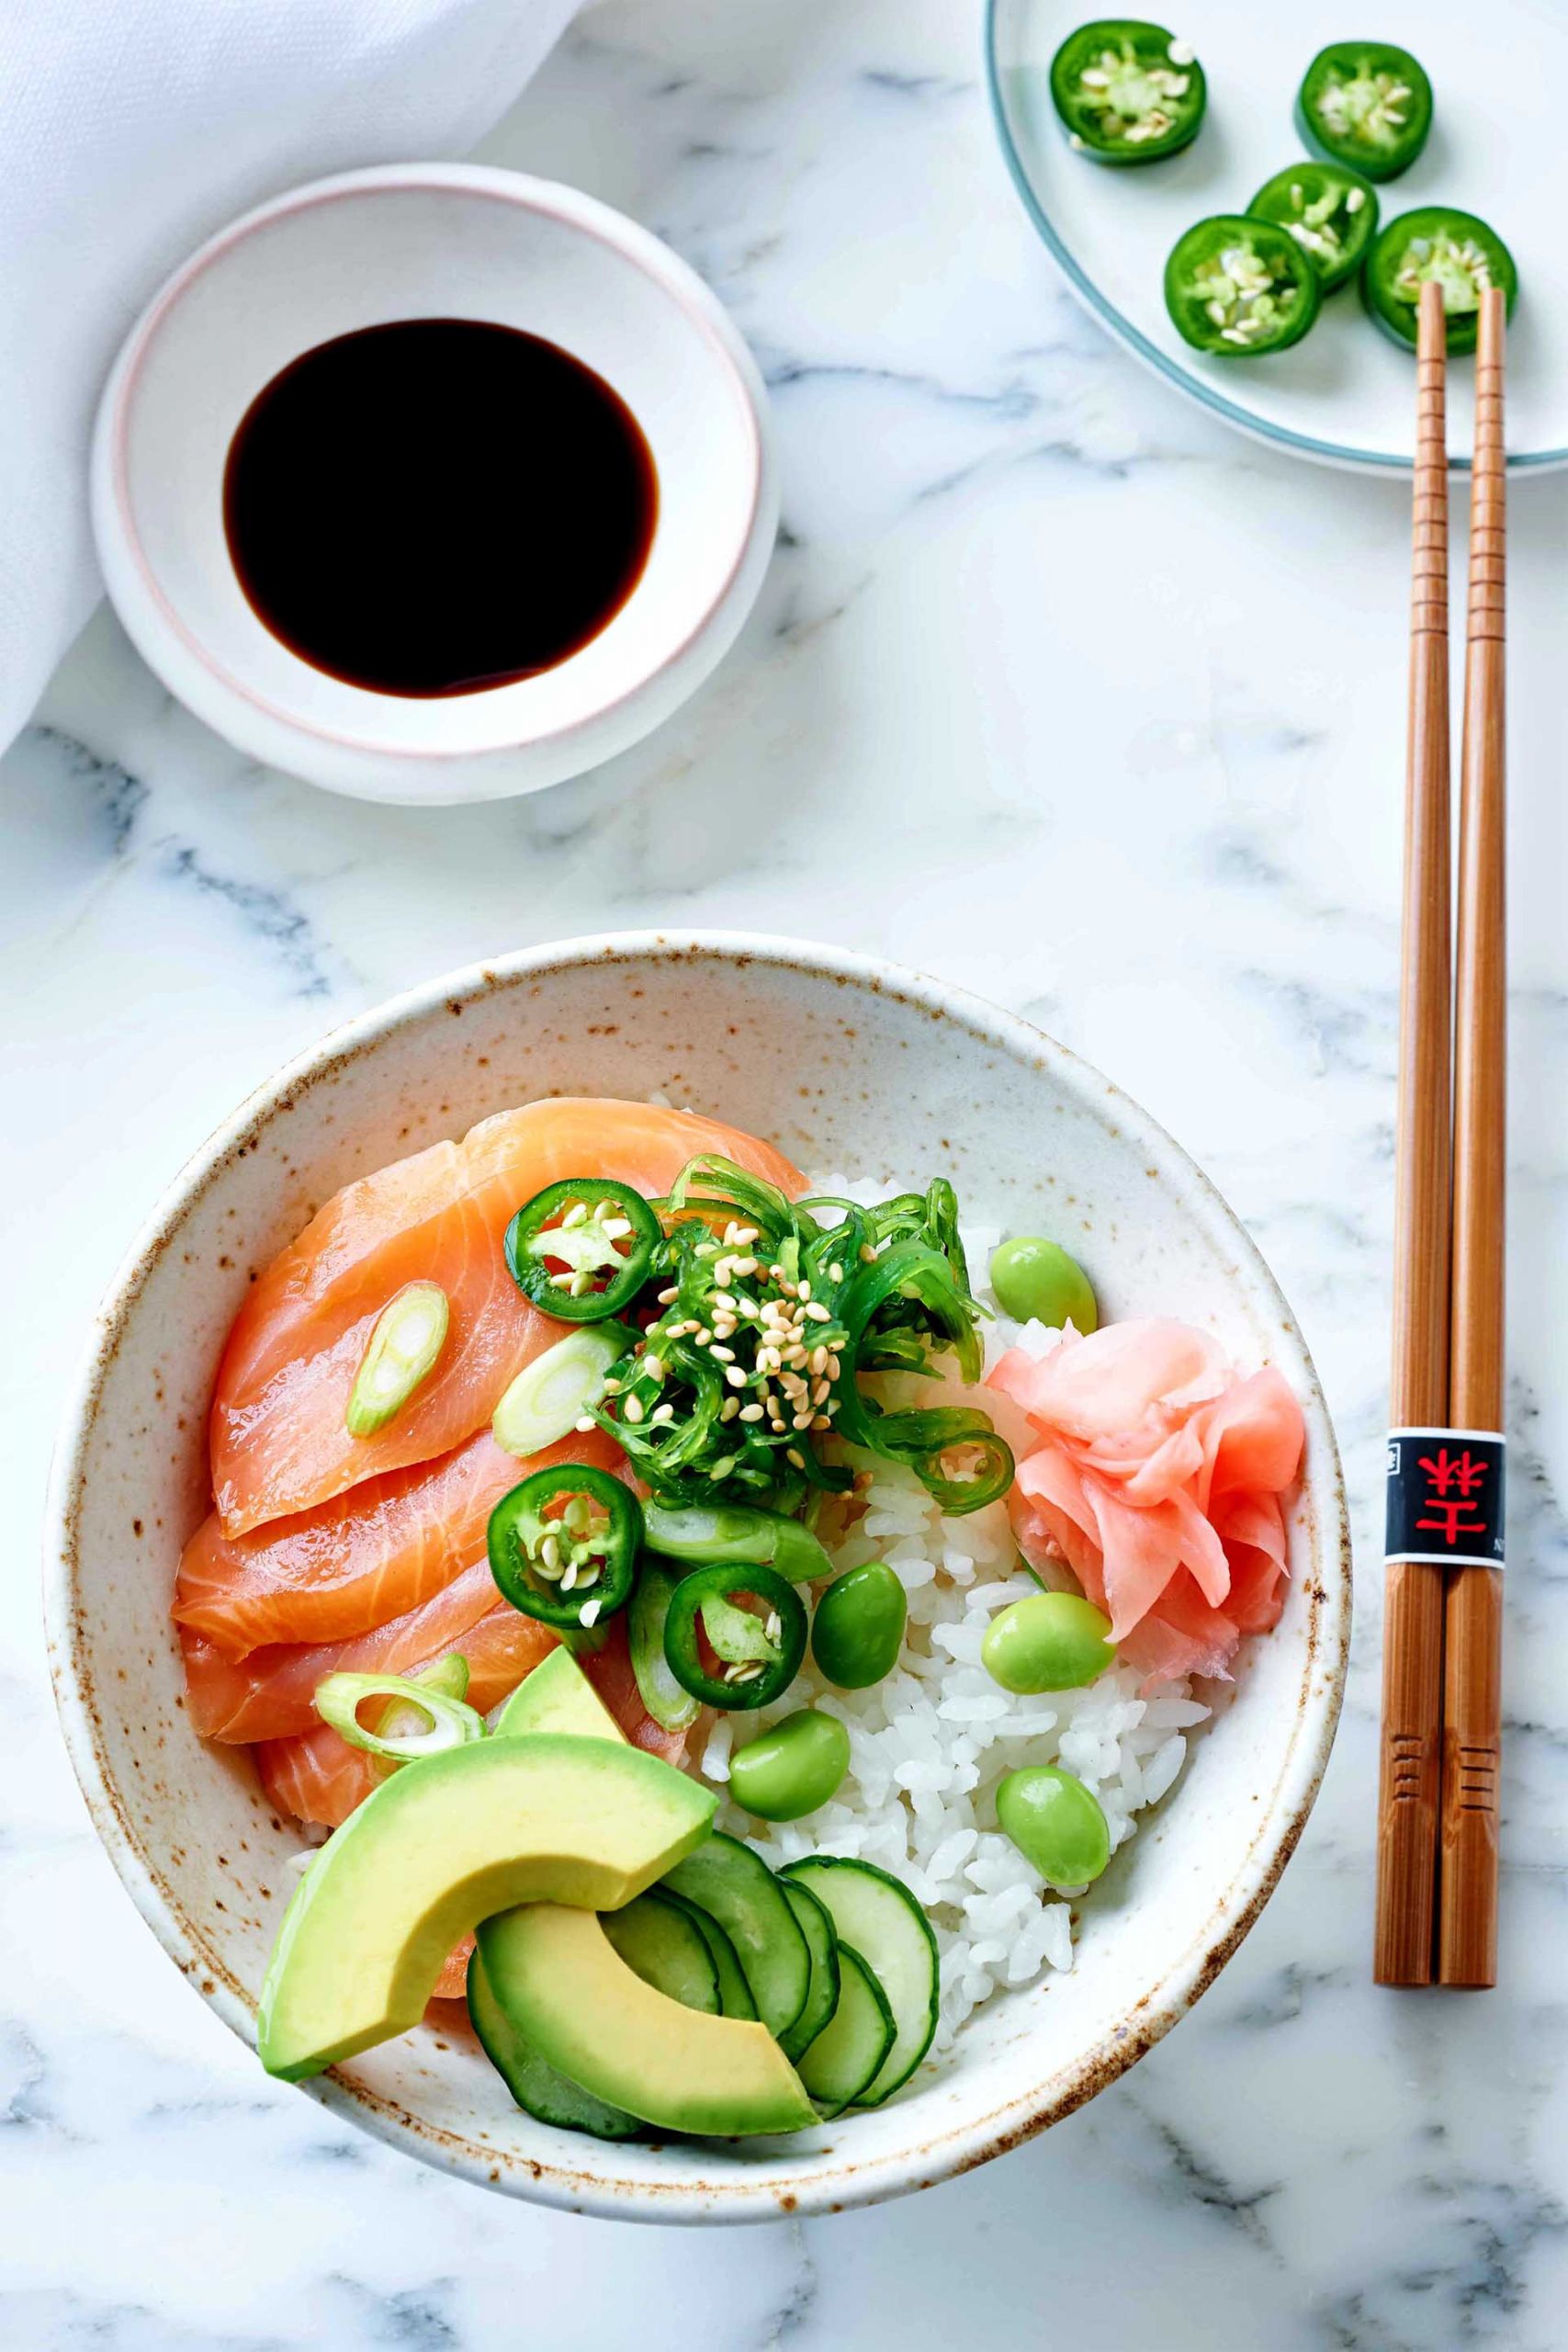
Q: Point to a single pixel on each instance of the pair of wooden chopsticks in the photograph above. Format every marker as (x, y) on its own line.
(1437, 1889)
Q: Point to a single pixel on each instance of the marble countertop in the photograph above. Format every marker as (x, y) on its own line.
(1058, 689)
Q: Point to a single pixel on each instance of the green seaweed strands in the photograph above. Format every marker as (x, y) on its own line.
(770, 1318)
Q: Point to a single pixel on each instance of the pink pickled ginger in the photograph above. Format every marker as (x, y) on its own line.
(1157, 1476)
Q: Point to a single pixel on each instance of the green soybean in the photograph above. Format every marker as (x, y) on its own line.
(792, 1768)
(1052, 1641)
(1056, 1823)
(858, 1630)
(1036, 1281)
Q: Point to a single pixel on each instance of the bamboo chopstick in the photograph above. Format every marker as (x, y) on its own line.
(1413, 1635)
(1467, 1942)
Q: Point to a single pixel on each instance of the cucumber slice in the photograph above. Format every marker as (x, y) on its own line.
(734, 1993)
(539, 2089)
(878, 1915)
(822, 1995)
(852, 2047)
(670, 1703)
(550, 1396)
(729, 1882)
(658, 1942)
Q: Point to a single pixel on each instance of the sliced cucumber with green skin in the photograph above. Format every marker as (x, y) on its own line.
(552, 1394)
(852, 2047)
(660, 1942)
(822, 1996)
(876, 1915)
(671, 1706)
(729, 1882)
(734, 1993)
(539, 2089)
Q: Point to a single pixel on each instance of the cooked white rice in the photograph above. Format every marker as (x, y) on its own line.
(929, 1745)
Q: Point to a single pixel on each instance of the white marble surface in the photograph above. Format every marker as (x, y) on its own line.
(1059, 690)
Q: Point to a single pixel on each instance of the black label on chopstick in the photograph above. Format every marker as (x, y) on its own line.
(1444, 1498)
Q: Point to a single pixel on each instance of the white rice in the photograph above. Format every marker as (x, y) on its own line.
(929, 1745)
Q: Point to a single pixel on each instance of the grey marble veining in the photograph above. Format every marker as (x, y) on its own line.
(1058, 689)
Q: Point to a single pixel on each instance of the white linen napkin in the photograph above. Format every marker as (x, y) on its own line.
(130, 129)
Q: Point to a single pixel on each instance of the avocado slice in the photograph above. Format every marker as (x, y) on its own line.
(556, 1975)
(439, 1846)
(558, 1697)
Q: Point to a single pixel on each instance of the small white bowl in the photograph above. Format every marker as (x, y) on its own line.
(848, 1065)
(429, 241)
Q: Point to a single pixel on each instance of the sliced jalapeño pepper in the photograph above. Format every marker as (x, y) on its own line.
(584, 1247)
(563, 1545)
(757, 1652)
(1236, 287)
(1331, 211)
(1127, 92)
(1461, 252)
(1365, 104)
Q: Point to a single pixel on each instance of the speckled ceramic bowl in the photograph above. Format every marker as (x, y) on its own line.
(846, 1064)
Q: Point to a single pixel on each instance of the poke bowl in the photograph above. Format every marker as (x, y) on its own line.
(821, 1072)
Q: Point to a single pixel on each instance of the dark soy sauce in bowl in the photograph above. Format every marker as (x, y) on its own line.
(438, 505)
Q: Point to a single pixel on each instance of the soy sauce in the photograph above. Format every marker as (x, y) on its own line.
(438, 505)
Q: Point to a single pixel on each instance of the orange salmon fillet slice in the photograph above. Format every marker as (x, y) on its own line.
(277, 1437)
(356, 1563)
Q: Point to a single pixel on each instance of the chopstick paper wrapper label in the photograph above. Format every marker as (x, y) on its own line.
(1444, 1498)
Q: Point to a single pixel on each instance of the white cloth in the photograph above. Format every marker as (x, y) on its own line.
(130, 129)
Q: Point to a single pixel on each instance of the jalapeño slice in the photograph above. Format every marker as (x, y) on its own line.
(1127, 92)
(757, 1651)
(1461, 252)
(1367, 103)
(1238, 288)
(584, 1247)
(563, 1545)
(1330, 211)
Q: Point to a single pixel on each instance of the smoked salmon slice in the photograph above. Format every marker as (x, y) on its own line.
(1156, 1474)
(278, 1442)
(316, 1776)
(360, 1561)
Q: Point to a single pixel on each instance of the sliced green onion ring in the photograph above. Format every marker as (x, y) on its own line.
(444, 1722)
(408, 1336)
(559, 1389)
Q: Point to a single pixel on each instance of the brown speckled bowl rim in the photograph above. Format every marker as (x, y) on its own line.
(595, 2189)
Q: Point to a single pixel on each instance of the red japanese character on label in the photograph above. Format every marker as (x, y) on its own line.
(1453, 1483)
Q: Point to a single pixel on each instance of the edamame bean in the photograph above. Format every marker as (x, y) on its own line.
(792, 1768)
(1052, 1641)
(1036, 1281)
(858, 1630)
(1056, 1823)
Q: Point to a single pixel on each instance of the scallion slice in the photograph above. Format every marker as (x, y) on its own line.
(420, 1718)
(408, 1334)
(559, 1388)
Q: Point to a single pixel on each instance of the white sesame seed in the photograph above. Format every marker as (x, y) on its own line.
(723, 1355)
(734, 1374)
(729, 1408)
(654, 1367)
(633, 1410)
(867, 1254)
(823, 1421)
(722, 1469)
(667, 1297)
(818, 1360)
(584, 1423)
(750, 1412)
(793, 1453)
(659, 1415)
(818, 1312)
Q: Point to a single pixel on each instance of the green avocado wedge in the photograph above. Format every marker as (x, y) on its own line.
(537, 2088)
(557, 1978)
(558, 1697)
(444, 1843)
